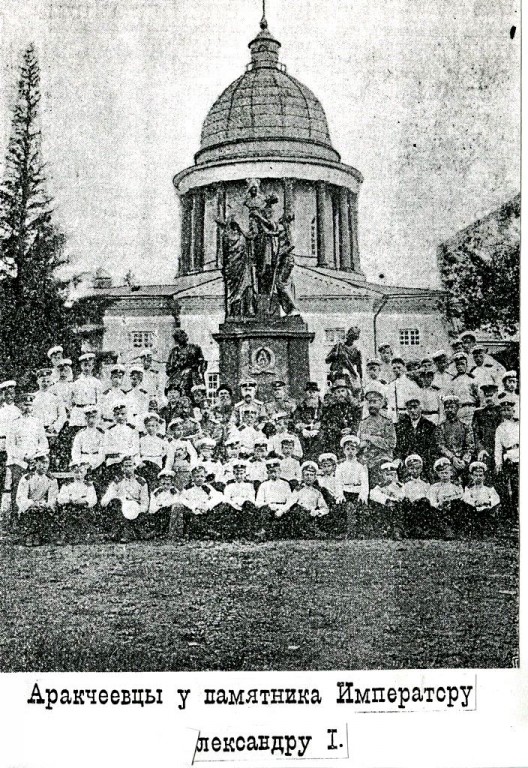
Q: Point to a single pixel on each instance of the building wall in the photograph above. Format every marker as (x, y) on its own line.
(329, 320)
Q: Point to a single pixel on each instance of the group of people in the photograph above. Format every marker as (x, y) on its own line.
(425, 448)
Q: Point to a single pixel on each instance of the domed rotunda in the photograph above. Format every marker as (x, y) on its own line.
(269, 126)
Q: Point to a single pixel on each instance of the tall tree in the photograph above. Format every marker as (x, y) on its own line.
(32, 311)
(480, 272)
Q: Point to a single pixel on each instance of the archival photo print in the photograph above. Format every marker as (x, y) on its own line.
(259, 335)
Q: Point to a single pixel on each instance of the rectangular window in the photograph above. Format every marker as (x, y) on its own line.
(212, 381)
(140, 339)
(409, 337)
(333, 335)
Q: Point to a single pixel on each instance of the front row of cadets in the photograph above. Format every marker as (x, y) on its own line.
(331, 499)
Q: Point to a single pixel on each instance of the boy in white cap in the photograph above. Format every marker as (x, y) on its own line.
(205, 447)
(181, 462)
(88, 445)
(114, 393)
(273, 495)
(386, 503)
(162, 499)
(36, 502)
(281, 421)
(198, 508)
(120, 440)
(241, 519)
(153, 450)
(8, 413)
(507, 438)
(331, 489)
(445, 497)
(86, 390)
(416, 507)
(482, 500)
(126, 498)
(75, 500)
(290, 466)
(25, 439)
(305, 509)
(55, 356)
(257, 471)
(352, 478)
(509, 390)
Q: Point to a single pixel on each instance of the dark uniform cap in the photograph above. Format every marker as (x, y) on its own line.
(26, 397)
(312, 386)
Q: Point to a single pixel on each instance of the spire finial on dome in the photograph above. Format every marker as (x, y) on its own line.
(263, 21)
(264, 48)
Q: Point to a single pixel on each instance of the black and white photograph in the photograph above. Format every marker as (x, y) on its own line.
(259, 335)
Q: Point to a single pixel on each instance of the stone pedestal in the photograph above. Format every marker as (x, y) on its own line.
(265, 349)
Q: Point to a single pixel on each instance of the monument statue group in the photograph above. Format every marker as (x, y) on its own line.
(258, 261)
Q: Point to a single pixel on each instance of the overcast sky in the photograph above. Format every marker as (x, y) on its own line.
(422, 96)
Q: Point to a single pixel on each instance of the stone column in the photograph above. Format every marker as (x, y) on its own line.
(320, 196)
(345, 262)
(288, 196)
(220, 214)
(353, 226)
(198, 229)
(186, 234)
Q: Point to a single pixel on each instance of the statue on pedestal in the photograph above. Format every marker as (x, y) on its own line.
(259, 261)
(186, 364)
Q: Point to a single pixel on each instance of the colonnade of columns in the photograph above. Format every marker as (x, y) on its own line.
(344, 202)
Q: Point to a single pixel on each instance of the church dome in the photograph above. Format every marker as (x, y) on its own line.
(266, 111)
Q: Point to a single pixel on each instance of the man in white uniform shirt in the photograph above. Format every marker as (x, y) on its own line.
(137, 397)
(25, 439)
(55, 357)
(115, 393)
(400, 390)
(49, 409)
(239, 495)
(86, 390)
(507, 438)
(126, 499)
(88, 445)
(195, 514)
(120, 440)
(8, 413)
(273, 496)
(442, 377)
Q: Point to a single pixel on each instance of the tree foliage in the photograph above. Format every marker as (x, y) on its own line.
(33, 314)
(481, 272)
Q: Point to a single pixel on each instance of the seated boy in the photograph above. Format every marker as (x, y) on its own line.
(198, 508)
(353, 478)
(273, 497)
(36, 501)
(331, 488)
(231, 454)
(240, 519)
(153, 450)
(76, 499)
(482, 502)
(445, 497)
(257, 471)
(386, 503)
(290, 467)
(304, 509)
(213, 468)
(126, 498)
(162, 499)
(417, 510)
(281, 421)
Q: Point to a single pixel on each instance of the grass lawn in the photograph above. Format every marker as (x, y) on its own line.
(282, 605)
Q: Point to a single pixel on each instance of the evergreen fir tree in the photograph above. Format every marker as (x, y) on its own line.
(32, 311)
